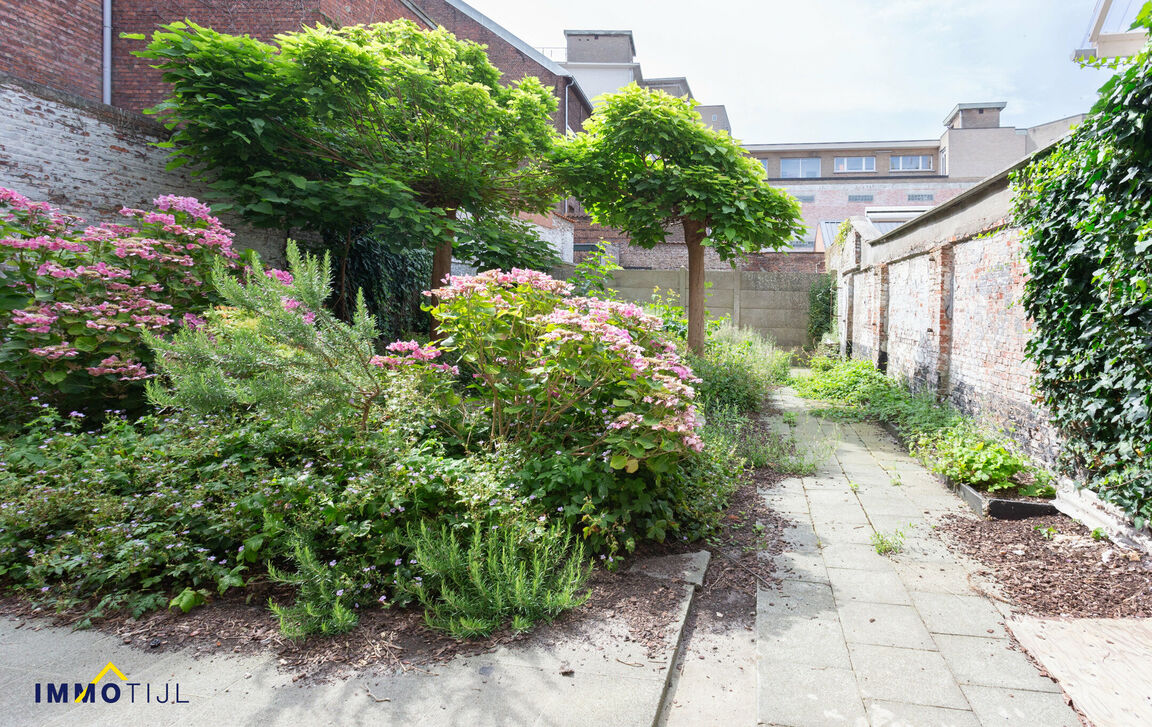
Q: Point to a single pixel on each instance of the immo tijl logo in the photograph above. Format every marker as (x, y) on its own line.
(110, 692)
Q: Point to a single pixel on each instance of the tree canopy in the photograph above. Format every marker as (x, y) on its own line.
(646, 162)
(386, 127)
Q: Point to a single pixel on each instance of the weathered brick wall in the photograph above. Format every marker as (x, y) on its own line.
(940, 296)
(58, 43)
(989, 371)
(90, 159)
(913, 343)
(865, 303)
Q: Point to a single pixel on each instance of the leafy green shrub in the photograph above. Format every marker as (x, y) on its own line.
(1088, 235)
(76, 303)
(946, 442)
(274, 349)
(738, 368)
(479, 583)
(964, 454)
(821, 307)
(594, 273)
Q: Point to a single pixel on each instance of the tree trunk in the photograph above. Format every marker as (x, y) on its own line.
(693, 235)
(442, 266)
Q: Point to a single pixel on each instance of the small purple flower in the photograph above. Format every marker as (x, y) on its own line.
(76, 415)
(331, 563)
(340, 592)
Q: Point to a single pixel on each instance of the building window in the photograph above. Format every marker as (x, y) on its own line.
(859, 198)
(805, 198)
(854, 164)
(799, 168)
(921, 197)
(912, 163)
(944, 162)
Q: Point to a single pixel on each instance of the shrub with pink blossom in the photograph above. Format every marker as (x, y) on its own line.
(589, 392)
(75, 300)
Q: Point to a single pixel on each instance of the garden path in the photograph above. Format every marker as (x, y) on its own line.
(858, 638)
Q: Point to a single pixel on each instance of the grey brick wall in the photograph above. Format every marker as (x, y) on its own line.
(90, 159)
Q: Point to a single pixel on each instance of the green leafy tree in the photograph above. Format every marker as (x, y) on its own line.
(646, 162)
(405, 132)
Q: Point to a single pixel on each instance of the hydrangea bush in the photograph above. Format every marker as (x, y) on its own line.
(75, 301)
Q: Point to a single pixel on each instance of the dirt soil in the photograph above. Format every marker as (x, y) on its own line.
(1052, 566)
(392, 639)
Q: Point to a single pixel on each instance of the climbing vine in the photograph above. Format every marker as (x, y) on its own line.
(1086, 209)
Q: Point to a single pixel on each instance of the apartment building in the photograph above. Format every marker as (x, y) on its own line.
(603, 61)
(894, 180)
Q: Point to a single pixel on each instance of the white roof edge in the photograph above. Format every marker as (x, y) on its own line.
(844, 145)
(965, 106)
(631, 39)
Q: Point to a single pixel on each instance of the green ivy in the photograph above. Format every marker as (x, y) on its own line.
(1086, 210)
(821, 307)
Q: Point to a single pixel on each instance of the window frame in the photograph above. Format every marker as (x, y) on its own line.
(930, 168)
(801, 161)
(864, 164)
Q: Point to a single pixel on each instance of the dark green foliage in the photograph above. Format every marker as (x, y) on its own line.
(475, 584)
(388, 128)
(821, 307)
(1087, 213)
(392, 282)
(945, 441)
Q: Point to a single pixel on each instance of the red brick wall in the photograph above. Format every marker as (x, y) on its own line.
(137, 86)
(54, 42)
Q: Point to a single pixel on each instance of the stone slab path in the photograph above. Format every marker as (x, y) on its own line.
(856, 638)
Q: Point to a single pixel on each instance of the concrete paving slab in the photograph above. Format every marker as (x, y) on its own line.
(802, 696)
(721, 683)
(858, 533)
(855, 556)
(684, 567)
(884, 624)
(868, 586)
(932, 577)
(837, 513)
(899, 714)
(991, 663)
(905, 675)
(806, 567)
(961, 615)
(1014, 707)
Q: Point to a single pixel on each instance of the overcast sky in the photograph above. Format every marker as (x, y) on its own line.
(842, 70)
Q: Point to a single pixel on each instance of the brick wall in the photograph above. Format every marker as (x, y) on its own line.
(912, 341)
(137, 86)
(989, 372)
(58, 43)
(90, 159)
(937, 300)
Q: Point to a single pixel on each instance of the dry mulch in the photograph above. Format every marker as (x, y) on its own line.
(1051, 566)
(394, 639)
